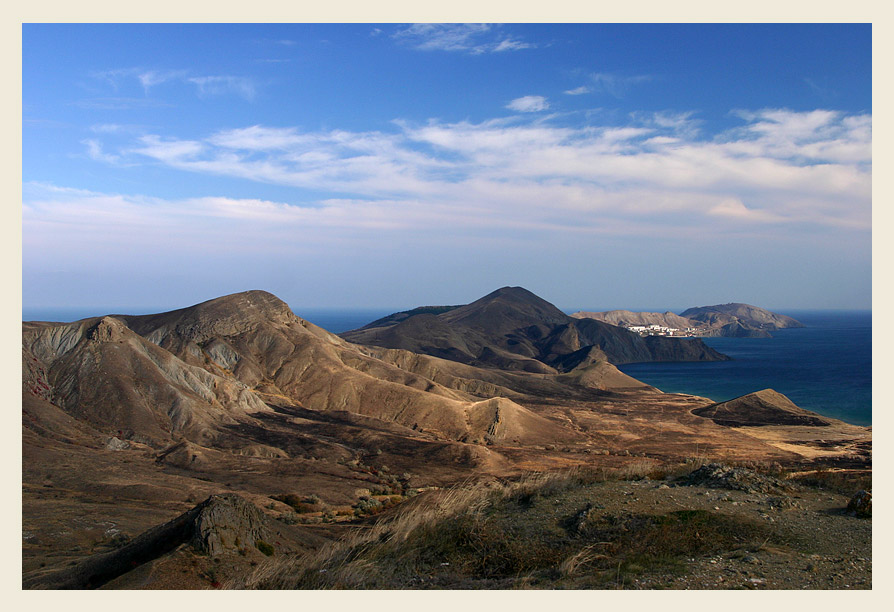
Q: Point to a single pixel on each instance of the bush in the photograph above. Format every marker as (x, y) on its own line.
(264, 547)
(309, 503)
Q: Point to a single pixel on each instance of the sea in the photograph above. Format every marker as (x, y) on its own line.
(825, 367)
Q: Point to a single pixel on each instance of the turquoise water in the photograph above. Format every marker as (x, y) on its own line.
(825, 367)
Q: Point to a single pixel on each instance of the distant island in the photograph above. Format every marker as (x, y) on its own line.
(733, 320)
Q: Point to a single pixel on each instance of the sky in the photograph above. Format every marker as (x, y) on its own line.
(601, 166)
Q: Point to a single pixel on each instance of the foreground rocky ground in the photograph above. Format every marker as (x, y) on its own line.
(740, 530)
(714, 527)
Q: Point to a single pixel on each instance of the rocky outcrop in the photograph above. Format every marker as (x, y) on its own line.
(220, 524)
(861, 504)
(719, 476)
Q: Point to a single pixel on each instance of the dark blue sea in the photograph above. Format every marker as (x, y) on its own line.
(825, 367)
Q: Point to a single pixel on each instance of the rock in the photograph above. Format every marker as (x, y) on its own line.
(719, 476)
(861, 504)
(222, 523)
(228, 522)
(782, 503)
(115, 444)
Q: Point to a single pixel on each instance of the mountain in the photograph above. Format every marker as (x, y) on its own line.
(626, 318)
(732, 320)
(514, 329)
(739, 320)
(193, 371)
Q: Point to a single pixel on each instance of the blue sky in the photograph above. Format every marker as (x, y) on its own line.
(361, 165)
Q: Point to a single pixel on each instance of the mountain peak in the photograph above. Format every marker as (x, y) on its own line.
(223, 316)
(508, 307)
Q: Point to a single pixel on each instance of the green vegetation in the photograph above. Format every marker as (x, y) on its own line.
(264, 547)
(301, 504)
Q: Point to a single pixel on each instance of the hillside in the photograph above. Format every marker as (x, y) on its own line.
(739, 320)
(761, 408)
(627, 318)
(732, 320)
(513, 329)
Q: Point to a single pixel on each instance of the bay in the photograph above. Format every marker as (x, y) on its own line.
(825, 367)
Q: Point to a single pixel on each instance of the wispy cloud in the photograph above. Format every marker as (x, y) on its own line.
(512, 45)
(219, 85)
(821, 88)
(528, 104)
(577, 91)
(151, 78)
(473, 38)
(95, 152)
(779, 168)
(119, 103)
(615, 85)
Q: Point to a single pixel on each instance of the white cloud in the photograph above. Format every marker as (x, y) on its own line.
(529, 104)
(205, 85)
(781, 168)
(107, 128)
(511, 45)
(473, 38)
(150, 78)
(94, 151)
(577, 91)
(735, 209)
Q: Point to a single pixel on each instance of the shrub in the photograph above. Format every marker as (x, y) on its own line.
(264, 547)
(310, 503)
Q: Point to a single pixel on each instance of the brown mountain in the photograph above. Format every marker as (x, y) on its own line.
(627, 318)
(193, 371)
(761, 408)
(513, 329)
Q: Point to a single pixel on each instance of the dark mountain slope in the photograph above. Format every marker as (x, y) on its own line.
(513, 329)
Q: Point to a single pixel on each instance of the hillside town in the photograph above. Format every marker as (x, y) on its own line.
(660, 330)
